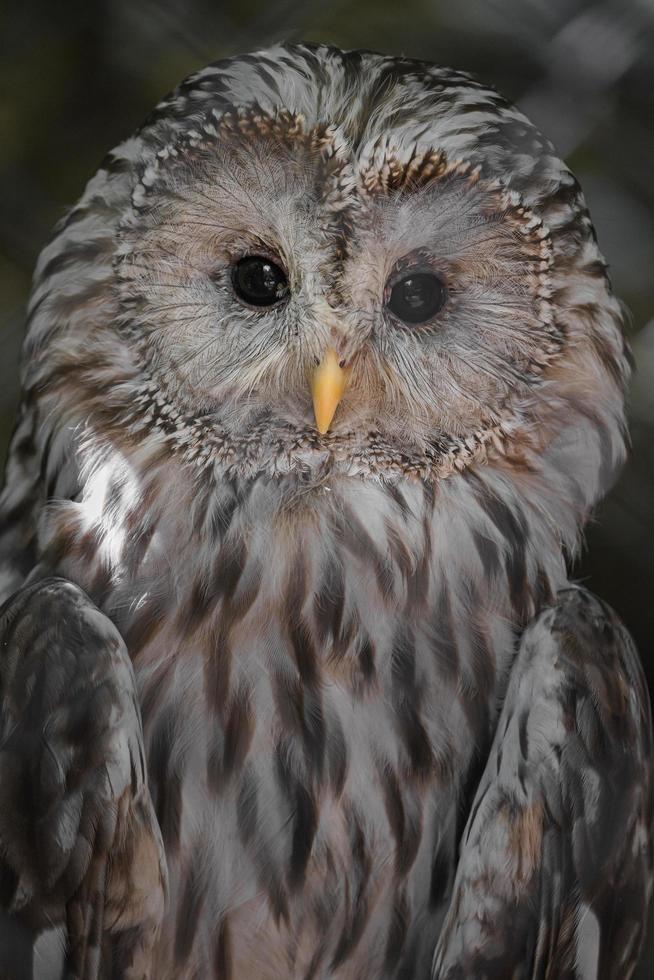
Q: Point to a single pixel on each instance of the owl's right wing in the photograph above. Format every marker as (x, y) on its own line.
(80, 847)
(555, 865)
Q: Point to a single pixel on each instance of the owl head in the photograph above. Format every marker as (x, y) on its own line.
(311, 258)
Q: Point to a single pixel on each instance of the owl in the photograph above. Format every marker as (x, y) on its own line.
(322, 377)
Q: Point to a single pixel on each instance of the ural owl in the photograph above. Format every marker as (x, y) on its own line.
(322, 377)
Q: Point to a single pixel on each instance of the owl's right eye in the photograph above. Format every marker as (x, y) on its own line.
(417, 298)
(258, 281)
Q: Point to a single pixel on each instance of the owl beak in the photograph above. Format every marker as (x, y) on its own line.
(327, 387)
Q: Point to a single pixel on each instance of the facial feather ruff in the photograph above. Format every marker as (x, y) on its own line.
(323, 585)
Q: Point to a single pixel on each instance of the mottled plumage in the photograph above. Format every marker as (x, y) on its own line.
(384, 736)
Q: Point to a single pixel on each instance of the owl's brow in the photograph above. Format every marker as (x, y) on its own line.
(419, 198)
(211, 225)
(198, 189)
(474, 242)
(458, 235)
(258, 146)
(213, 202)
(231, 193)
(196, 216)
(264, 162)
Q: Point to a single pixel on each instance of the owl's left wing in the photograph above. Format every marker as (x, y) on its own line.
(80, 848)
(555, 865)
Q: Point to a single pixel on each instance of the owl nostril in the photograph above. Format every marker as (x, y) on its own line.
(343, 344)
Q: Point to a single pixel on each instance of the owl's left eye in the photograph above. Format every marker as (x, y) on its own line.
(417, 298)
(258, 281)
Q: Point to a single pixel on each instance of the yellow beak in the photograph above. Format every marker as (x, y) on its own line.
(327, 387)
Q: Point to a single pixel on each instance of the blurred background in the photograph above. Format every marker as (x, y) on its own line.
(78, 77)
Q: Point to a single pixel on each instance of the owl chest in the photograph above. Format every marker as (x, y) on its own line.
(307, 765)
(312, 699)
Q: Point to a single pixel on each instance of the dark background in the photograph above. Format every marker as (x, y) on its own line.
(76, 78)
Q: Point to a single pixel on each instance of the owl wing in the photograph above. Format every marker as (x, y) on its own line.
(79, 842)
(555, 863)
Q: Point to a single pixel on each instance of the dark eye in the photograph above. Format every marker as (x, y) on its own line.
(258, 281)
(417, 298)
